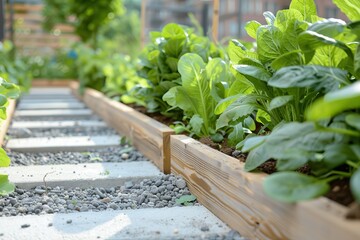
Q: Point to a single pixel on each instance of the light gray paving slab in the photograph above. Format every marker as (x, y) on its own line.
(81, 175)
(47, 96)
(50, 90)
(53, 113)
(45, 105)
(56, 124)
(51, 100)
(144, 224)
(62, 143)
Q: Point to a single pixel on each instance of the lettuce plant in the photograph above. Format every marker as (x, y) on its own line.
(299, 58)
(329, 141)
(159, 64)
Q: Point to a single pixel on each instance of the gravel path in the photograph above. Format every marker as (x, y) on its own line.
(60, 132)
(110, 154)
(158, 192)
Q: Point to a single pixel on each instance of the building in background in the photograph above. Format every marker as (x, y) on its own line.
(233, 14)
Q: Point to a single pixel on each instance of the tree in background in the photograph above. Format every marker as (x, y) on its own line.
(90, 15)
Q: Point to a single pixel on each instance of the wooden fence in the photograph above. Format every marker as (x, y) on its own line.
(23, 25)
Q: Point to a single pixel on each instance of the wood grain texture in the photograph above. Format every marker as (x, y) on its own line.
(4, 125)
(150, 137)
(237, 197)
(51, 83)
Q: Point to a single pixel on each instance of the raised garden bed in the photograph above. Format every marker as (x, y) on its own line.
(237, 197)
(221, 183)
(147, 135)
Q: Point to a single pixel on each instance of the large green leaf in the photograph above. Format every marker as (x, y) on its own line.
(335, 102)
(296, 142)
(236, 135)
(253, 71)
(287, 59)
(173, 30)
(251, 28)
(5, 186)
(320, 78)
(355, 185)
(194, 95)
(241, 107)
(328, 27)
(353, 120)
(279, 101)
(309, 41)
(4, 159)
(350, 8)
(293, 187)
(269, 45)
(306, 7)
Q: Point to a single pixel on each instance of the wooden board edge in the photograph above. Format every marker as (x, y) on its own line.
(140, 120)
(236, 197)
(51, 83)
(74, 87)
(6, 123)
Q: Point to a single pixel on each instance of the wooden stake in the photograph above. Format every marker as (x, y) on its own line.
(143, 23)
(215, 22)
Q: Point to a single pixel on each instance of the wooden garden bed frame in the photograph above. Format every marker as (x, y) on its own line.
(237, 197)
(51, 83)
(220, 182)
(149, 136)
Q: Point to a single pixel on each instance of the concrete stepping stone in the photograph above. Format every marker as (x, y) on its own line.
(50, 96)
(53, 113)
(51, 100)
(47, 91)
(151, 223)
(81, 175)
(45, 105)
(56, 124)
(62, 143)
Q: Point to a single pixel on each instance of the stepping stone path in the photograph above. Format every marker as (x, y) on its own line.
(95, 187)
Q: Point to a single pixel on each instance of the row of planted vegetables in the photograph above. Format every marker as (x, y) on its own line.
(292, 96)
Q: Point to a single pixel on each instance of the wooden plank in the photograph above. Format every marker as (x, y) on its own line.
(237, 197)
(18, 7)
(51, 83)
(5, 123)
(147, 135)
(26, 16)
(51, 91)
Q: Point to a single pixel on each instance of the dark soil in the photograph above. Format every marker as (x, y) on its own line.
(340, 189)
(157, 116)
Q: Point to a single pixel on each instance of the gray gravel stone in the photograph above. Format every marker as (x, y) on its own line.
(180, 183)
(57, 199)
